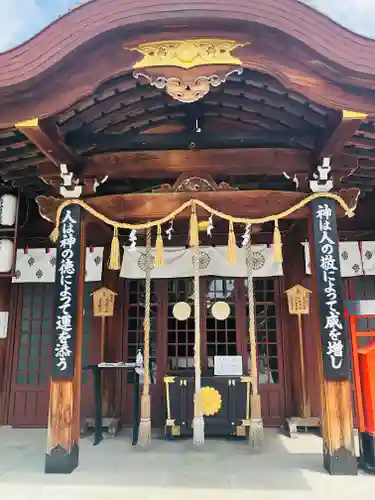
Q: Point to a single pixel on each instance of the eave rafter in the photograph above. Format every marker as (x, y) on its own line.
(45, 135)
(344, 125)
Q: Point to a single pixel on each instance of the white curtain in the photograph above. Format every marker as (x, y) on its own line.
(38, 265)
(213, 262)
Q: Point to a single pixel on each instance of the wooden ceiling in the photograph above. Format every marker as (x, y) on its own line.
(249, 111)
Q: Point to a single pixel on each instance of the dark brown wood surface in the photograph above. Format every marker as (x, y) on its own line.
(5, 295)
(151, 206)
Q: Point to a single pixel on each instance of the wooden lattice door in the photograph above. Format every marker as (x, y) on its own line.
(269, 349)
(32, 335)
(134, 313)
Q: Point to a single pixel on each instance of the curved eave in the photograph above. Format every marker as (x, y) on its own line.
(331, 41)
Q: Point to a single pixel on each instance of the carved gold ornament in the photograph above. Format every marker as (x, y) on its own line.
(186, 88)
(187, 54)
(187, 69)
(210, 401)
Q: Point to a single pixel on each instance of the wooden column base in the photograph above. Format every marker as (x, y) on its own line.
(59, 461)
(340, 462)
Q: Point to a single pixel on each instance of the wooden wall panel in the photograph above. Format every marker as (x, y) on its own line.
(5, 301)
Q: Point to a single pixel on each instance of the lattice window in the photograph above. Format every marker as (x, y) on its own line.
(136, 314)
(266, 330)
(180, 333)
(221, 334)
(35, 342)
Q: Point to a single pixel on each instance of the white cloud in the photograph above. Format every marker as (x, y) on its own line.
(21, 19)
(356, 15)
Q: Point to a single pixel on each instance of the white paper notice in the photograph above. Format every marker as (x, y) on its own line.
(228, 365)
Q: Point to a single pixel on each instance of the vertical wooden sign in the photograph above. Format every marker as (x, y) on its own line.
(335, 342)
(64, 406)
(67, 273)
(339, 456)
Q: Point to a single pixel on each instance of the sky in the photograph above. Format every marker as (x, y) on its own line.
(21, 19)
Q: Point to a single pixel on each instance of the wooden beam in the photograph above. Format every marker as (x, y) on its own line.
(151, 206)
(45, 135)
(102, 143)
(170, 164)
(345, 127)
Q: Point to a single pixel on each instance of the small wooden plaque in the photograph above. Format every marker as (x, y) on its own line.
(103, 302)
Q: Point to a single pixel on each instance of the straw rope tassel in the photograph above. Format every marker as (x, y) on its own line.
(144, 436)
(232, 244)
(159, 249)
(277, 249)
(114, 262)
(194, 237)
(256, 432)
(198, 421)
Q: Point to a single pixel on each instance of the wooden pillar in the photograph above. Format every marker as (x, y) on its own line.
(294, 274)
(333, 359)
(64, 407)
(5, 284)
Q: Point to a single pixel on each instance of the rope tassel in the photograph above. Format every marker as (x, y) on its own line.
(114, 262)
(194, 238)
(198, 420)
(277, 249)
(256, 434)
(54, 236)
(144, 435)
(232, 244)
(159, 249)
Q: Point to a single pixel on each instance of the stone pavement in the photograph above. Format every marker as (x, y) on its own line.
(288, 469)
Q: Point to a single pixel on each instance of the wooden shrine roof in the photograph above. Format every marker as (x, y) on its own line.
(301, 70)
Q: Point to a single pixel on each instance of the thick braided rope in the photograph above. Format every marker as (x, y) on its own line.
(252, 317)
(197, 339)
(124, 225)
(146, 380)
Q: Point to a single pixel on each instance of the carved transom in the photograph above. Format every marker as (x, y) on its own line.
(194, 184)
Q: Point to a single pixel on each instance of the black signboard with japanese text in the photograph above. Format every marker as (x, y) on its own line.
(66, 292)
(330, 287)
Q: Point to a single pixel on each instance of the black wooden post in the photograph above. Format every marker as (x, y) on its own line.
(333, 360)
(64, 407)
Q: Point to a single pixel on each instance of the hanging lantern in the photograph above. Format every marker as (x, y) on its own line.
(8, 210)
(6, 256)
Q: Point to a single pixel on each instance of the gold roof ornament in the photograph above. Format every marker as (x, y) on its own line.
(187, 69)
(188, 54)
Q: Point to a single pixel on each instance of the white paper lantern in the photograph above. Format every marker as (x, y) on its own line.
(6, 256)
(8, 209)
